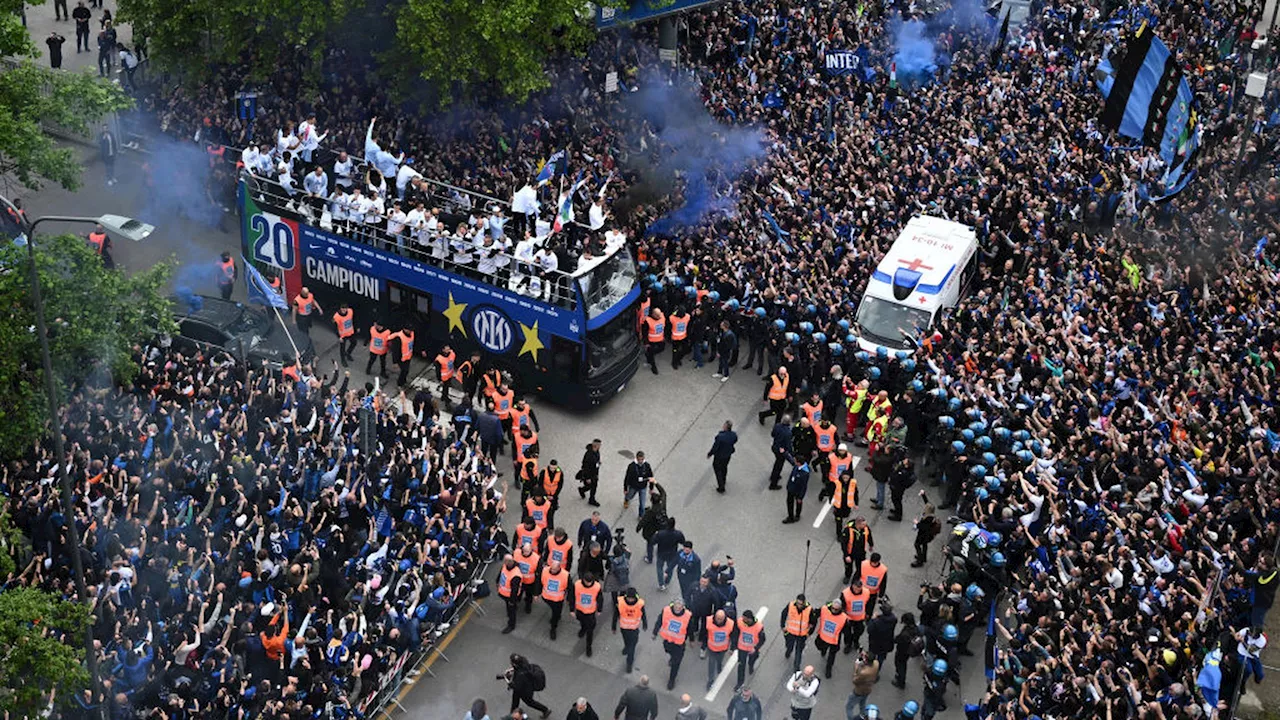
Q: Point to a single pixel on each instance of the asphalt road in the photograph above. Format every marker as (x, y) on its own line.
(672, 418)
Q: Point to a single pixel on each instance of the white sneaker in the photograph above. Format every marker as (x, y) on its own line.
(715, 375)
(724, 379)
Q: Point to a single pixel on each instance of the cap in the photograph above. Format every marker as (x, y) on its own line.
(843, 447)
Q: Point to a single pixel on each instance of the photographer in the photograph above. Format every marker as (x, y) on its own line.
(524, 679)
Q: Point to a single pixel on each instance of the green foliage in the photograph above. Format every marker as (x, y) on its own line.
(94, 316)
(14, 546)
(40, 650)
(453, 44)
(195, 35)
(30, 95)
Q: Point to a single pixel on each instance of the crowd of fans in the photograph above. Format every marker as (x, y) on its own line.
(1107, 383)
(256, 546)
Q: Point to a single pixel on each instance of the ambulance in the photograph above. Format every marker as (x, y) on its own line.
(928, 270)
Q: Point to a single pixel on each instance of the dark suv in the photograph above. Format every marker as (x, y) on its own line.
(248, 334)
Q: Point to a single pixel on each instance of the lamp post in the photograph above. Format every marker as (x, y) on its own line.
(132, 230)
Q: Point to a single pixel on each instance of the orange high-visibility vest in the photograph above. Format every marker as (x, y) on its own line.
(551, 480)
(630, 615)
(679, 326)
(533, 536)
(718, 635)
(346, 323)
(644, 313)
(446, 365)
(749, 635)
(525, 444)
(406, 345)
(528, 565)
(843, 495)
(304, 304)
(674, 627)
(228, 272)
(855, 604)
(586, 600)
(827, 440)
(502, 402)
(830, 625)
(519, 417)
(814, 413)
(797, 620)
(558, 551)
(98, 241)
(538, 511)
(873, 577)
(554, 585)
(378, 340)
(509, 581)
(778, 390)
(657, 328)
(838, 466)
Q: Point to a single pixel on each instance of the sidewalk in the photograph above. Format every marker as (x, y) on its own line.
(40, 22)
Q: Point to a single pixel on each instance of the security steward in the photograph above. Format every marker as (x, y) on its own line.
(680, 320)
(406, 353)
(305, 308)
(856, 600)
(797, 625)
(527, 531)
(551, 478)
(538, 507)
(524, 445)
(750, 638)
(468, 377)
(828, 435)
(555, 585)
(379, 344)
(586, 606)
(673, 628)
(509, 586)
(345, 322)
(529, 561)
(227, 274)
(717, 634)
(875, 577)
(831, 622)
(560, 549)
(857, 541)
(446, 371)
(655, 335)
(812, 409)
(776, 389)
(631, 616)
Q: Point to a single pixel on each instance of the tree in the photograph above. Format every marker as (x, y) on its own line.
(30, 95)
(196, 35)
(94, 315)
(453, 44)
(39, 649)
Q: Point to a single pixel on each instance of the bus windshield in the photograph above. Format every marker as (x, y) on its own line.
(608, 283)
(885, 322)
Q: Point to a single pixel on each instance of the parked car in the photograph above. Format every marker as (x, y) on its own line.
(249, 334)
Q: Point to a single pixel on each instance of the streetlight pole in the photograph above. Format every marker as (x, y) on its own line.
(137, 231)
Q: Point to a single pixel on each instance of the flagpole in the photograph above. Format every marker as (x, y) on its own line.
(297, 356)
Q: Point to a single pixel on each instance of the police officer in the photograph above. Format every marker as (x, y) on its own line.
(935, 689)
(631, 616)
(781, 447)
(755, 327)
(797, 622)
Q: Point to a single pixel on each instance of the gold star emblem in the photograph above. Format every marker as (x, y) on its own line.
(454, 314)
(531, 342)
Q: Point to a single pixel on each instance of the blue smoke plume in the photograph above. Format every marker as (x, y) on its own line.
(915, 42)
(707, 155)
(913, 47)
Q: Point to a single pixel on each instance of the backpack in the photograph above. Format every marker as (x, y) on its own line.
(538, 677)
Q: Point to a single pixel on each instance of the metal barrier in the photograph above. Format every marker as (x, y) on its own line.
(557, 286)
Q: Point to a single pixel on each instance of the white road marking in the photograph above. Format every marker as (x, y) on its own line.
(731, 665)
(822, 514)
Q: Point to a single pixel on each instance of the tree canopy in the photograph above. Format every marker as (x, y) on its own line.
(94, 316)
(40, 649)
(453, 45)
(30, 95)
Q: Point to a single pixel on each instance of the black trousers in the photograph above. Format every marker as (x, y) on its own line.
(629, 640)
(304, 324)
(404, 371)
(588, 487)
(82, 37)
(776, 409)
(829, 652)
(795, 648)
(587, 629)
(60, 10)
(679, 348)
(557, 607)
(650, 351)
(345, 346)
(225, 290)
(853, 568)
(513, 604)
(675, 655)
(526, 698)
(922, 552)
(895, 495)
(746, 663)
(104, 64)
(721, 468)
(382, 364)
(795, 504)
(900, 660)
(775, 475)
(853, 630)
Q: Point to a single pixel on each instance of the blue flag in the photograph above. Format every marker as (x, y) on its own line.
(259, 290)
(777, 230)
(386, 526)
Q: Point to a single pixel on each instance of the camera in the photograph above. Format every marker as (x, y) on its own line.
(619, 537)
